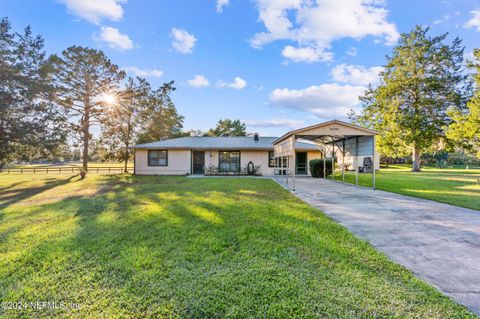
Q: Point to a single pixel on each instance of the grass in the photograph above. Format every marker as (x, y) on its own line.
(455, 186)
(70, 164)
(151, 247)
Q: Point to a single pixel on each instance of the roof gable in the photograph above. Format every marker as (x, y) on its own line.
(331, 128)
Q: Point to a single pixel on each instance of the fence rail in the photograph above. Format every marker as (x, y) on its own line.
(66, 169)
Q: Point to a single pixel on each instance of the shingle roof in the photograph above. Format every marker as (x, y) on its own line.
(230, 143)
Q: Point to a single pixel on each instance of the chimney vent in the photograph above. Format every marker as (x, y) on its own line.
(255, 137)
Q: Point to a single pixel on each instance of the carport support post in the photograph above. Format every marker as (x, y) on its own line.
(343, 160)
(356, 161)
(333, 159)
(287, 172)
(324, 161)
(373, 164)
(294, 168)
(275, 167)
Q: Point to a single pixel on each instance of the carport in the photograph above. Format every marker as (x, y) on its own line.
(351, 146)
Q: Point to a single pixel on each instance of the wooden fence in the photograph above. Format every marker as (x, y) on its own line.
(66, 169)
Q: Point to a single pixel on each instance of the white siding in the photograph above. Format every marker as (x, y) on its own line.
(178, 163)
(258, 158)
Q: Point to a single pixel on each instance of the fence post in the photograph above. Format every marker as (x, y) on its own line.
(21, 170)
(34, 169)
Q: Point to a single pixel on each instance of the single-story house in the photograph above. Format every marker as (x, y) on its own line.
(351, 146)
(195, 155)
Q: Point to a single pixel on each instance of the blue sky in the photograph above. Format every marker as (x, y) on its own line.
(275, 64)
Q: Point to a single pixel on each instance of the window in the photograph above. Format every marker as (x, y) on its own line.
(229, 161)
(157, 158)
(271, 159)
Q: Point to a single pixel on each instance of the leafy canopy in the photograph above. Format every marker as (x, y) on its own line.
(465, 129)
(228, 127)
(422, 80)
(160, 119)
(30, 124)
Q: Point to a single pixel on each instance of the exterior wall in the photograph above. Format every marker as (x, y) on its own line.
(179, 163)
(258, 158)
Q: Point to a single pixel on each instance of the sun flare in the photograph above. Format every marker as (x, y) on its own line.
(109, 98)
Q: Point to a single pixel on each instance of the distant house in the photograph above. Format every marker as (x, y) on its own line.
(230, 155)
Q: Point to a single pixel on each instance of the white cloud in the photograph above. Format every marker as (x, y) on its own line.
(183, 41)
(221, 4)
(447, 17)
(198, 81)
(306, 54)
(94, 10)
(316, 24)
(276, 122)
(114, 38)
(352, 51)
(356, 74)
(144, 73)
(474, 21)
(237, 84)
(441, 20)
(325, 100)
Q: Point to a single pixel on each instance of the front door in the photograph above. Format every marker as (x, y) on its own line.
(301, 163)
(198, 162)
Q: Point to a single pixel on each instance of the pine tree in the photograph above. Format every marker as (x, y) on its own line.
(84, 79)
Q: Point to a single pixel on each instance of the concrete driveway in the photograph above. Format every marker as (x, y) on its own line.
(440, 243)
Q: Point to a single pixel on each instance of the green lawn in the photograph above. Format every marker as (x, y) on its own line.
(124, 246)
(70, 164)
(455, 186)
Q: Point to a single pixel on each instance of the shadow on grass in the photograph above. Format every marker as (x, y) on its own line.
(156, 247)
(11, 195)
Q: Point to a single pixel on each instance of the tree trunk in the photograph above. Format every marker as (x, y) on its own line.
(127, 153)
(416, 159)
(86, 138)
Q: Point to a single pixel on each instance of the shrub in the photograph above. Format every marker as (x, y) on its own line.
(316, 167)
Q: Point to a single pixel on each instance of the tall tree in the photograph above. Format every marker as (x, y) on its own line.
(122, 123)
(85, 80)
(421, 81)
(465, 129)
(228, 127)
(30, 125)
(160, 119)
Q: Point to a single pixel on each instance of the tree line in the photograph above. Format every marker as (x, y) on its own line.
(426, 101)
(48, 101)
